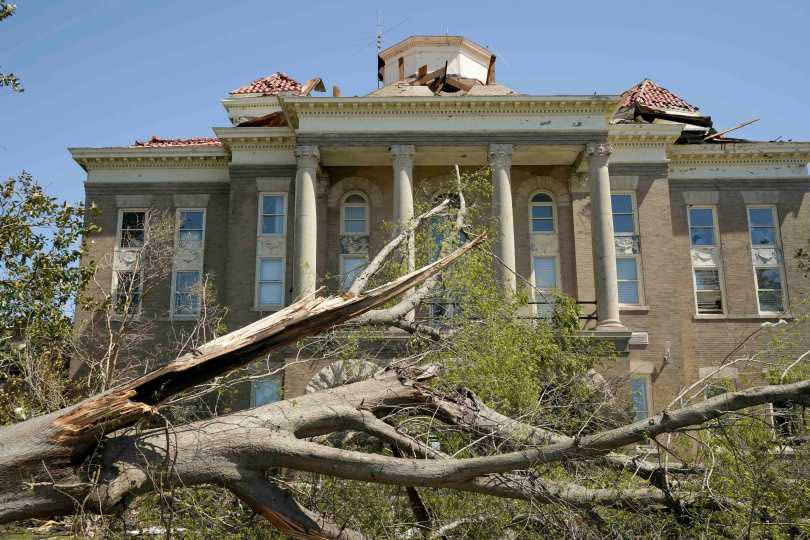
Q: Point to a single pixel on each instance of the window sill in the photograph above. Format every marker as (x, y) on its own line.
(631, 308)
(267, 309)
(742, 317)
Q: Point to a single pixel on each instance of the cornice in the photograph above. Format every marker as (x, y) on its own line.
(256, 138)
(645, 135)
(741, 153)
(149, 157)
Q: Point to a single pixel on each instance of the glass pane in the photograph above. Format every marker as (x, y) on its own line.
(761, 217)
(270, 270)
(545, 274)
(701, 217)
(355, 199)
(638, 389)
(190, 239)
(628, 292)
(623, 223)
(702, 236)
(273, 204)
(626, 269)
(707, 280)
(771, 301)
(763, 236)
(542, 212)
(542, 225)
(132, 238)
(622, 204)
(351, 269)
(270, 294)
(355, 212)
(185, 281)
(709, 302)
(354, 226)
(132, 220)
(541, 197)
(191, 220)
(266, 391)
(769, 278)
(273, 224)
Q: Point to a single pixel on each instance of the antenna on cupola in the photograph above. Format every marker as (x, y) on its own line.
(379, 46)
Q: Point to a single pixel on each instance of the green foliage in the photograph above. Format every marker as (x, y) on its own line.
(9, 79)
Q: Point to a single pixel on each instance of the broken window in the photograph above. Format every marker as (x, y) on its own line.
(132, 228)
(186, 293)
(789, 421)
(767, 258)
(127, 293)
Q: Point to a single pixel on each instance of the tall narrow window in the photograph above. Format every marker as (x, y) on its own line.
(132, 228)
(273, 210)
(542, 213)
(628, 260)
(640, 396)
(354, 214)
(270, 289)
(191, 229)
(186, 293)
(706, 261)
(127, 293)
(350, 268)
(767, 260)
(544, 270)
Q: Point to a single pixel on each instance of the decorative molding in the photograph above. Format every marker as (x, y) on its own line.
(639, 339)
(709, 198)
(273, 183)
(760, 197)
(355, 183)
(307, 156)
(353, 243)
(655, 170)
(191, 200)
(133, 201)
(450, 138)
(500, 155)
(623, 183)
(555, 187)
(598, 154)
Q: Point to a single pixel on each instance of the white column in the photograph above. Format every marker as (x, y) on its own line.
(604, 247)
(306, 221)
(402, 161)
(500, 161)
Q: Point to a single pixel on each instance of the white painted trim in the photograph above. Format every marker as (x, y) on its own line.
(552, 204)
(781, 264)
(533, 279)
(719, 246)
(642, 297)
(121, 211)
(344, 204)
(257, 282)
(259, 218)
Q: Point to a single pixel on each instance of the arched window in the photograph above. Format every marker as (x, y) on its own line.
(541, 214)
(354, 214)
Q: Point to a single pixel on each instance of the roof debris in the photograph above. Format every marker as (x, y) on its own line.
(441, 83)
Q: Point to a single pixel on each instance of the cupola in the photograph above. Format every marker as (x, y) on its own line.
(463, 58)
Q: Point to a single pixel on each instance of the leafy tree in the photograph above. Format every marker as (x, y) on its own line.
(9, 79)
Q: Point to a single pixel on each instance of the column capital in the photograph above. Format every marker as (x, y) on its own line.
(500, 155)
(598, 151)
(402, 150)
(307, 155)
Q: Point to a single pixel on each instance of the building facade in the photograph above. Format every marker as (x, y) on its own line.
(682, 236)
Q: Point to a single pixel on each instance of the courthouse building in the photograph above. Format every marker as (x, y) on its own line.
(680, 235)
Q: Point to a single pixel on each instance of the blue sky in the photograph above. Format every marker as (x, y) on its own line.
(105, 73)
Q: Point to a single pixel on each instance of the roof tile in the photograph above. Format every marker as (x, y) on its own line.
(273, 85)
(649, 94)
(157, 142)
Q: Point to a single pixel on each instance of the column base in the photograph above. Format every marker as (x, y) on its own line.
(619, 336)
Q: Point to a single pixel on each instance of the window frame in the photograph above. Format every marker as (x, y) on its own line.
(647, 378)
(780, 267)
(178, 212)
(119, 315)
(253, 384)
(173, 307)
(344, 205)
(635, 257)
(257, 286)
(716, 245)
(342, 268)
(261, 214)
(552, 204)
(633, 202)
(538, 308)
(119, 228)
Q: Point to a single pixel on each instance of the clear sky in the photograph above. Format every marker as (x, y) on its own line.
(105, 73)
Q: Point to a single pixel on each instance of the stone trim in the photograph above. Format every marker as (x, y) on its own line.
(355, 183)
(189, 200)
(623, 183)
(273, 183)
(133, 201)
(742, 183)
(708, 198)
(542, 183)
(421, 138)
(760, 197)
(657, 170)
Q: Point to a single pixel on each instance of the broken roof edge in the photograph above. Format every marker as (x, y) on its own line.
(427, 40)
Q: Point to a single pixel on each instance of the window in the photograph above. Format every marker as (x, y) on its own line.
(544, 270)
(628, 262)
(706, 260)
(350, 268)
(789, 420)
(127, 293)
(715, 387)
(354, 214)
(132, 227)
(640, 396)
(190, 229)
(541, 214)
(264, 391)
(186, 293)
(766, 255)
(270, 283)
(272, 213)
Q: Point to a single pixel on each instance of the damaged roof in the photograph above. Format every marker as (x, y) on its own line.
(157, 142)
(648, 94)
(273, 85)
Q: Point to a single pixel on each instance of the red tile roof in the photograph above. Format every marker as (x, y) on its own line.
(273, 85)
(157, 142)
(649, 94)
